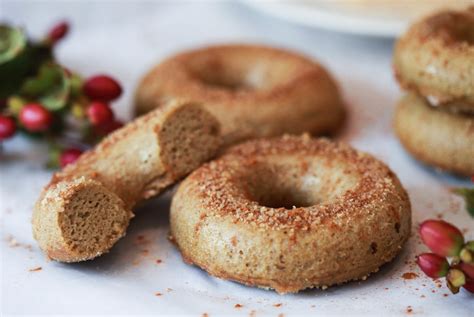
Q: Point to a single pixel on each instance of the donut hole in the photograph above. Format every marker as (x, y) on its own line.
(288, 185)
(462, 33)
(452, 27)
(223, 81)
(241, 71)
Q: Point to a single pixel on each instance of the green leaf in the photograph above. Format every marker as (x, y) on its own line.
(468, 195)
(76, 85)
(53, 156)
(51, 86)
(12, 42)
(16, 70)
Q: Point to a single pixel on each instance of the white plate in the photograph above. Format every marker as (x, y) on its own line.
(383, 18)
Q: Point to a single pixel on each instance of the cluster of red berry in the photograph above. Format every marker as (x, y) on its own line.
(82, 111)
(452, 257)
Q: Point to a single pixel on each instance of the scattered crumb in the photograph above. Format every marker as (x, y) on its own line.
(141, 240)
(253, 313)
(36, 269)
(158, 261)
(278, 305)
(158, 294)
(409, 310)
(422, 296)
(409, 275)
(445, 295)
(386, 288)
(13, 243)
(281, 315)
(205, 315)
(238, 306)
(169, 289)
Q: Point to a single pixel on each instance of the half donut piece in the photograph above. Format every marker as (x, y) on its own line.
(87, 206)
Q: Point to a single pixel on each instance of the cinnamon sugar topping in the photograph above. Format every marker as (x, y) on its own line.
(223, 188)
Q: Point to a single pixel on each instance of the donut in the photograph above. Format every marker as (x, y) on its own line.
(254, 91)
(435, 136)
(435, 58)
(87, 206)
(290, 213)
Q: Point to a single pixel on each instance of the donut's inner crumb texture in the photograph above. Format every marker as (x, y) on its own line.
(188, 138)
(279, 183)
(92, 220)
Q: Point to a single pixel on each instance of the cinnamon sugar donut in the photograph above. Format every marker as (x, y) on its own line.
(435, 59)
(254, 91)
(436, 136)
(291, 213)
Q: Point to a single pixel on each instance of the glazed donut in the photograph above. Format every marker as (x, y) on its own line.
(436, 136)
(290, 213)
(87, 207)
(435, 58)
(254, 91)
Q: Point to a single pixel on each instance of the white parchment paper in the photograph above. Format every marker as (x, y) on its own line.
(144, 273)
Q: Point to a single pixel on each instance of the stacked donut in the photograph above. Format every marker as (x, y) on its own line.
(434, 63)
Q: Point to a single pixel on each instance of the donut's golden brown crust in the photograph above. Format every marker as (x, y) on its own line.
(254, 91)
(235, 216)
(435, 58)
(434, 136)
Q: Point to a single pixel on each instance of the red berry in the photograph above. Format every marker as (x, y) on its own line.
(433, 265)
(58, 31)
(100, 113)
(7, 127)
(35, 118)
(469, 286)
(69, 156)
(102, 87)
(105, 129)
(467, 268)
(441, 237)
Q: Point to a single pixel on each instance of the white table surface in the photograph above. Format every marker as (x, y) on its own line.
(125, 39)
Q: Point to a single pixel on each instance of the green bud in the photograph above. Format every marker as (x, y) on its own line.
(469, 246)
(14, 104)
(456, 278)
(466, 256)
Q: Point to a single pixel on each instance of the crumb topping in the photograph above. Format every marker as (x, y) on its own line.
(220, 191)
